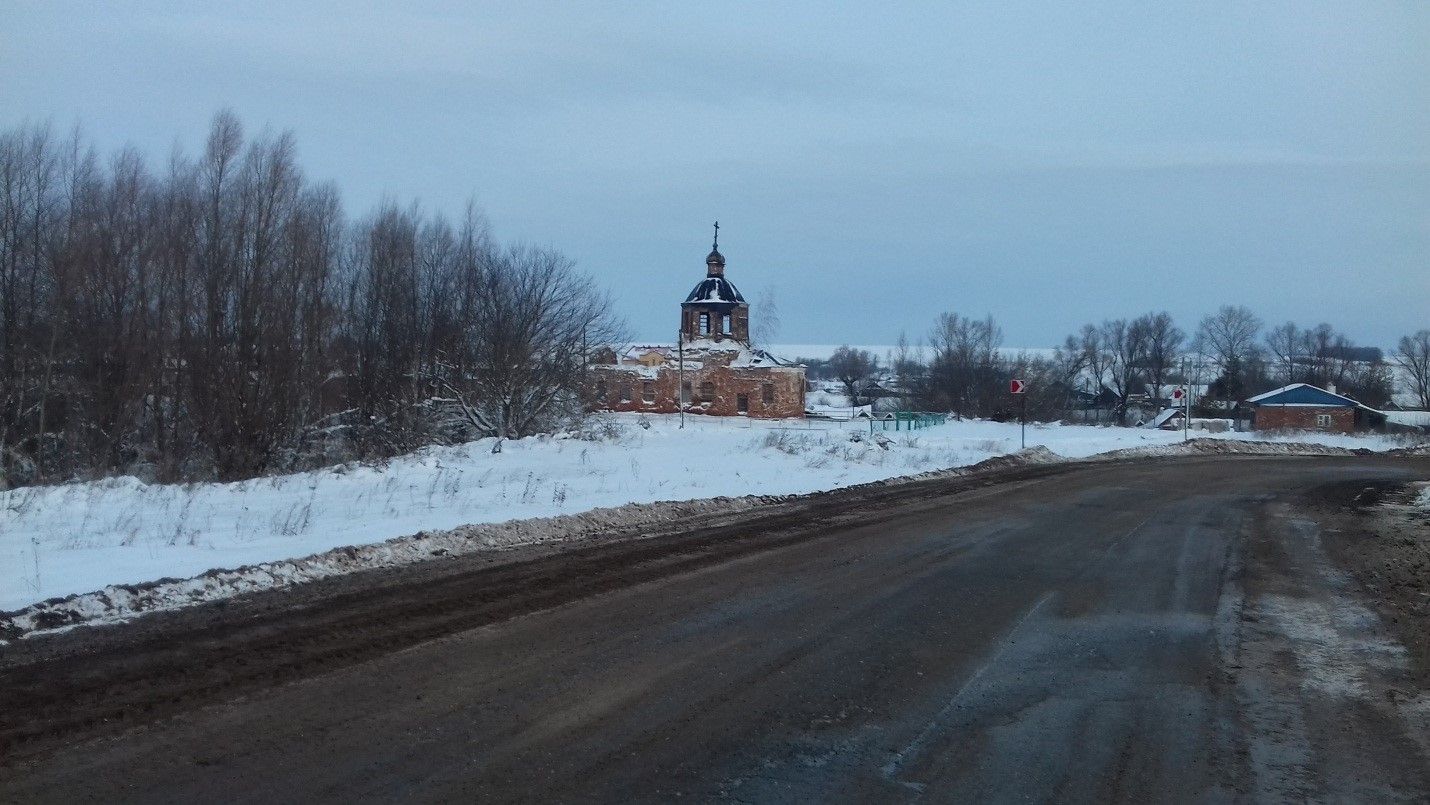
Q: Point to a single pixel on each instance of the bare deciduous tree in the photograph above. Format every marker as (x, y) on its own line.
(1096, 356)
(909, 372)
(853, 368)
(1230, 334)
(526, 341)
(1124, 343)
(765, 318)
(1413, 357)
(1071, 361)
(1162, 347)
(1328, 354)
(1284, 342)
(964, 367)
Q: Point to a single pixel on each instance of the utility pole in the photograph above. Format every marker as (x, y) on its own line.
(1186, 401)
(680, 372)
(1187, 412)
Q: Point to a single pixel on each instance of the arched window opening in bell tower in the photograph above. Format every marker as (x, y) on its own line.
(705, 324)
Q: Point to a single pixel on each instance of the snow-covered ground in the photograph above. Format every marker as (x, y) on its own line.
(76, 538)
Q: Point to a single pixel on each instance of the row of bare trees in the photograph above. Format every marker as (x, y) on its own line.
(219, 315)
(1122, 356)
(960, 367)
(1232, 353)
(1249, 359)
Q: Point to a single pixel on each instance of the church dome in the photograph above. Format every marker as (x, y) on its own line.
(715, 258)
(715, 291)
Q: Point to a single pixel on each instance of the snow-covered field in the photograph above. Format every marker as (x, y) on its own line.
(80, 537)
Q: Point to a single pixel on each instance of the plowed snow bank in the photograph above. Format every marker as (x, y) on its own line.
(118, 535)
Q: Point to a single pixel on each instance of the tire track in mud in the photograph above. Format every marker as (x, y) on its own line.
(92, 682)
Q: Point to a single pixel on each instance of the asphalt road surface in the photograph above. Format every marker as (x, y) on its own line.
(1139, 631)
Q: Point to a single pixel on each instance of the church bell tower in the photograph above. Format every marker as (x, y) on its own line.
(715, 310)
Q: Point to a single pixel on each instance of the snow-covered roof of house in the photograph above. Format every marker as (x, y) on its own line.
(1166, 389)
(839, 412)
(1305, 394)
(1417, 418)
(1408, 400)
(1164, 417)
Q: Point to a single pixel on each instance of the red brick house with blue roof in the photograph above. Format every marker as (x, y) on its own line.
(1302, 406)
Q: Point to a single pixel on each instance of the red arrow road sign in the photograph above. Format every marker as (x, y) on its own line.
(1017, 387)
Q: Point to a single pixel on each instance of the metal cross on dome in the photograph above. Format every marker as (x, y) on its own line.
(717, 236)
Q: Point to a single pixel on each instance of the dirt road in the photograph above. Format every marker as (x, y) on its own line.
(1134, 631)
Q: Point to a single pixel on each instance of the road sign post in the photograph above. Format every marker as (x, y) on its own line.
(1019, 388)
(1179, 395)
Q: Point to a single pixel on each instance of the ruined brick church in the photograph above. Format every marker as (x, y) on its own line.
(711, 369)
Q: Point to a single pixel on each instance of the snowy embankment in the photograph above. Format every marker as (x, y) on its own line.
(1422, 501)
(77, 538)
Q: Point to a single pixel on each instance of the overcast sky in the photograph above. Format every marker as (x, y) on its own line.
(1047, 163)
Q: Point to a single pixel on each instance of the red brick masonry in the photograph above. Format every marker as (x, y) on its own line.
(714, 388)
(1304, 417)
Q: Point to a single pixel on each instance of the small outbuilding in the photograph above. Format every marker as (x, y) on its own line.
(1302, 406)
(1168, 419)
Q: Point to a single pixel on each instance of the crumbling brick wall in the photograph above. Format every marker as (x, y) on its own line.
(774, 392)
(739, 324)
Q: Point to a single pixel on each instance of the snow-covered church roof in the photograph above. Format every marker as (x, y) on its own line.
(714, 290)
(695, 352)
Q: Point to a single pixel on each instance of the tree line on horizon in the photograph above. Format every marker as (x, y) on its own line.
(221, 317)
(960, 366)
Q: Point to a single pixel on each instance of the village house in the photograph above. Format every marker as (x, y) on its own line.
(711, 369)
(1302, 406)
